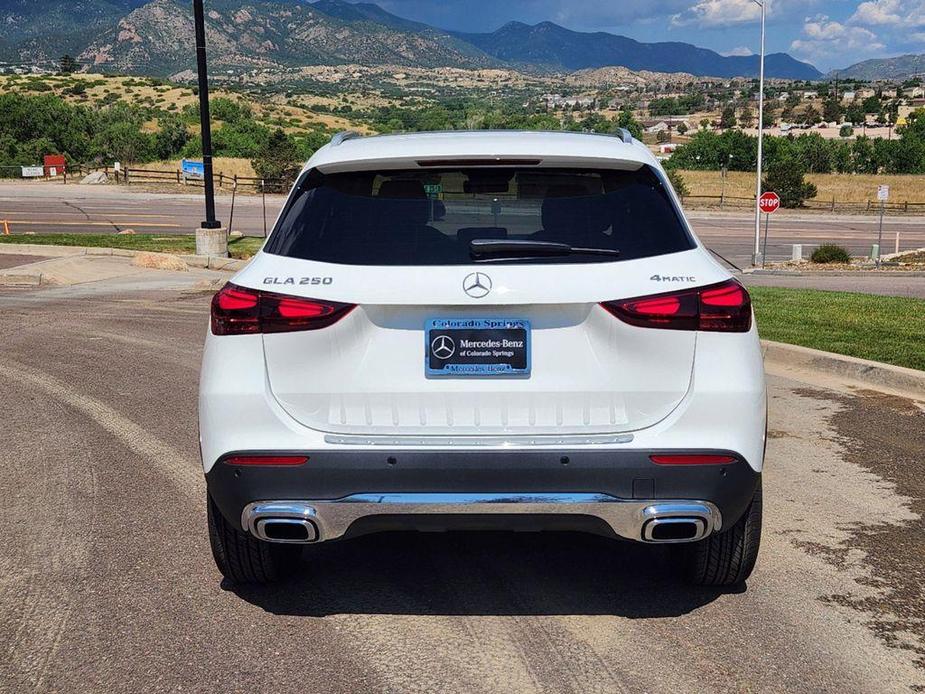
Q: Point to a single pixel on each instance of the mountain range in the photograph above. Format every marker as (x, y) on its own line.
(154, 37)
(884, 68)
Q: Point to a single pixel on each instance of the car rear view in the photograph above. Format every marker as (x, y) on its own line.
(487, 331)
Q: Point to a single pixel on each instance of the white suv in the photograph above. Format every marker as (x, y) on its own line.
(483, 330)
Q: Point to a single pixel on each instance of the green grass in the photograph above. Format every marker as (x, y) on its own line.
(882, 328)
(242, 247)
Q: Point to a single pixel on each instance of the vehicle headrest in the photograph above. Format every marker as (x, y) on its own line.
(407, 202)
(570, 207)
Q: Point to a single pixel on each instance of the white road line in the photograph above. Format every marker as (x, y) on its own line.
(177, 466)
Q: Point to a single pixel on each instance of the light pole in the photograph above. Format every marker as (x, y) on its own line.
(757, 254)
(210, 223)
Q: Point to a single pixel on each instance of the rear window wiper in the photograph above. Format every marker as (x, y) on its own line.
(488, 250)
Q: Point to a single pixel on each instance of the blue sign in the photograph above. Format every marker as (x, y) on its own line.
(193, 169)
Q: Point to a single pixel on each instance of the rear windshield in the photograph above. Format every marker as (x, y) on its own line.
(430, 217)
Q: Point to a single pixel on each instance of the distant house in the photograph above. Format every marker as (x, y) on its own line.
(888, 93)
(848, 97)
(810, 95)
(866, 93)
(658, 125)
(654, 126)
(914, 92)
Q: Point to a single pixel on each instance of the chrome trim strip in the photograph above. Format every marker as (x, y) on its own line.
(627, 517)
(479, 441)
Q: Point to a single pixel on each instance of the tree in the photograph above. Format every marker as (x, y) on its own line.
(871, 104)
(768, 115)
(682, 129)
(831, 111)
(67, 65)
(746, 117)
(811, 116)
(122, 141)
(786, 177)
(846, 131)
(171, 137)
(728, 118)
(854, 114)
(277, 159)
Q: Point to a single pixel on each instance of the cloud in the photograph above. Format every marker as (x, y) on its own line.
(824, 38)
(892, 13)
(718, 13)
(738, 51)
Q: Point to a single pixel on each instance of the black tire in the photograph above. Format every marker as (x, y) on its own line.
(727, 558)
(242, 558)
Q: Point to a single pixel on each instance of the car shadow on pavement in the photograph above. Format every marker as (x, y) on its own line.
(483, 573)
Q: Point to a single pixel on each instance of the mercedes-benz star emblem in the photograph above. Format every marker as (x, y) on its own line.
(477, 285)
(443, 347)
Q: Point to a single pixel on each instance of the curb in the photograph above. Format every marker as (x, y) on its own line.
(13, 280)
(873, 373)
(198, 261)
(834, 273)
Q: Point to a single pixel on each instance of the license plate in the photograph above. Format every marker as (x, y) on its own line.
(477, 347)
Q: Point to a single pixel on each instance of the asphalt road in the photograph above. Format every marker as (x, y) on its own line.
(43, 208)
(107, 584)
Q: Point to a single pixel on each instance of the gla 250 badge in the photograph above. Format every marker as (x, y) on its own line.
(299, 280)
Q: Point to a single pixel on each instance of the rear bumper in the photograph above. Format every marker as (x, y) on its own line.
(351, 492)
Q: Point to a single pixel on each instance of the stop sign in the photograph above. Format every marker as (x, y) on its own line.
(769, 202)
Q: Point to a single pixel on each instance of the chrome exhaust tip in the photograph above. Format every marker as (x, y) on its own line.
(284, 522)
(678, 522)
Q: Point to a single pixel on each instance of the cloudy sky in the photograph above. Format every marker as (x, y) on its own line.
(830, 34)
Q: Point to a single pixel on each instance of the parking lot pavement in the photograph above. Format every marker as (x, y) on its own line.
(106, 583)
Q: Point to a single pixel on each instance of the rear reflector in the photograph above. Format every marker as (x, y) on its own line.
(724, 307)
(692, 459)
(239, 311)
(266, 460)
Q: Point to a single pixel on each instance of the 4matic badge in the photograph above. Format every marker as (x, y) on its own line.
(672, 278)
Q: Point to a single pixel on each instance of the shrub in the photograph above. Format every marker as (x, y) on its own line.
(846, 131)
(830, 253)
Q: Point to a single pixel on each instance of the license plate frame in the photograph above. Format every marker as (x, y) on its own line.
(458, 357)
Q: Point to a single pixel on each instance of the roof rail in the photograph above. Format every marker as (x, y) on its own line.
(343, 136)
(625, 135)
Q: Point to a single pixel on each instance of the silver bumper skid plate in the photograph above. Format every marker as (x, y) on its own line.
(662, 521)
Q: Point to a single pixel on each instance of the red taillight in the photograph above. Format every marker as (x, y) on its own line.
(724, 307)
(692, 459)
(266, 460)
(239, 310)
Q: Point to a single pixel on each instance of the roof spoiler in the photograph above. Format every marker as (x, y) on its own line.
(625, 135)
(343, 136)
